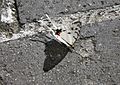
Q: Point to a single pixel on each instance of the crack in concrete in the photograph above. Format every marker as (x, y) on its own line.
(17, 13)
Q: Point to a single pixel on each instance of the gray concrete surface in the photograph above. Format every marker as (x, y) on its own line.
(23, 61)
(34, 9)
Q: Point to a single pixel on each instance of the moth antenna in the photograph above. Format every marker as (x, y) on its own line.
(51, 21)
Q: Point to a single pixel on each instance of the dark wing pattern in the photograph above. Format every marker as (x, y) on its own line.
(55, 53)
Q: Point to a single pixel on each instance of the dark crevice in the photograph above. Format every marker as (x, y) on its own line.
(17, 13)
(99, 8)
(63, 13)
(85, 38)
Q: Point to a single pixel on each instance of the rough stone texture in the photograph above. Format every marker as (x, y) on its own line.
(8, 18)
(34, 9)
(22, 61)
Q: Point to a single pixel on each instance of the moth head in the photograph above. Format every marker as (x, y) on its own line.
(58, 31)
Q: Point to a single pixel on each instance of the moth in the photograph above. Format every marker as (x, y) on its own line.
(60, 44)
(67, 38)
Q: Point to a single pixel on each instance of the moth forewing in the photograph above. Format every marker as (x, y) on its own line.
(66, 37)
